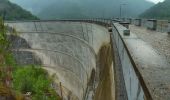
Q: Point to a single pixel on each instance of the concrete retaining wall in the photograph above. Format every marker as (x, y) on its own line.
(162, 25)
(133, 86)
(138, 22)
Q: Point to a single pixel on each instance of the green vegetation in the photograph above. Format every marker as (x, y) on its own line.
(65, 9)
(35, 80)
(6, 62)
(14, 12)
(6, 58)
(16, 81)
(159, 11)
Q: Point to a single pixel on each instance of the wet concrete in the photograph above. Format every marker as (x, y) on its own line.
(159, 41)
(73, 51)
(131, 77)
(68, 51)
(150, 59)
(146, 54)
(105, 89)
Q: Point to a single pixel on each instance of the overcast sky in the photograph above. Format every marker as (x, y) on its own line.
(156, 1)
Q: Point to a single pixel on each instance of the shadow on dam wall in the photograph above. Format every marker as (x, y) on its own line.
(22, 57)
(78, 53)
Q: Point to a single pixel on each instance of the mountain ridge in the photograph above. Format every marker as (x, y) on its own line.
(11, 11)
(159, 11)
(63, 9)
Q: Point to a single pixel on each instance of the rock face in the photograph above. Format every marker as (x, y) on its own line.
(70, 52)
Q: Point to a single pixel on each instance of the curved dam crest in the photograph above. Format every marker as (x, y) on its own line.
(78, 54)
(94, 59)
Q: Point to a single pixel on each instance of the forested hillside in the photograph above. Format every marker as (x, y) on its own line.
(56, 9)
(11, 11)
(159, 11)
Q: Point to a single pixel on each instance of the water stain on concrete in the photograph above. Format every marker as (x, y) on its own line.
(104, 90)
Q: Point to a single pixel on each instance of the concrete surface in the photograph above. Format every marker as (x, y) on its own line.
(152, 24)
(67, 50)
(159, 41)
(150, 51)
(105, 89)
(79, 55)
(133, 85)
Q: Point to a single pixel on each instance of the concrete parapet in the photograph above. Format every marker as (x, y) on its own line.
(116, 20)
(133, 85)
(158, 25)
(150, 50)
(138, 22)
(125, 24)
(133, 21)
(169, 28)
(144, 23)
(151, 24)
(162, 25)
(130, 20)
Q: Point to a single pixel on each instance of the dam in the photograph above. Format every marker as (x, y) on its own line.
(90, 59)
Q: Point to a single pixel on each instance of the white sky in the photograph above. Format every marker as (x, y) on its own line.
(155, 1)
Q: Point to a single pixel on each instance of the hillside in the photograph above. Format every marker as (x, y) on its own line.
(84, 8)
(159, 11)
(14, 12)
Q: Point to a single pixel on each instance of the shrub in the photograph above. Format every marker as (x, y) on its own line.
(35, 80)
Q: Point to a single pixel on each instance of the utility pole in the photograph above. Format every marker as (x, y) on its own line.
(121, 9)
(4, 15)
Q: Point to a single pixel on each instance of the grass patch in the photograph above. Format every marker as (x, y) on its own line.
(16, 81)
(34, 79)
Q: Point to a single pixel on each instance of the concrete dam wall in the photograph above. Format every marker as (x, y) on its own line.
(77, 54)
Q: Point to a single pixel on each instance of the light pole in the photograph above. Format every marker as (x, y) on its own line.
(4, 15)
(121, 9)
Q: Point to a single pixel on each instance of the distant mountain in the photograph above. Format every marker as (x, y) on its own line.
(11, 11)
(56, 9)
(159, 11)
(34, 6)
